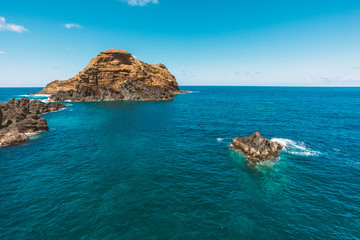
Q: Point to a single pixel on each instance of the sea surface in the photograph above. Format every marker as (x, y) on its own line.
(165, 170)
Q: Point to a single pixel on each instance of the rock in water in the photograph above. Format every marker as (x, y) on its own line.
(257, 148)
(20, 117)
(13, 137)
(116, 75)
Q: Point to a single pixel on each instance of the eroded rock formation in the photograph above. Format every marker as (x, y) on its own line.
(116, 75)
(257, 148)
(18, 117)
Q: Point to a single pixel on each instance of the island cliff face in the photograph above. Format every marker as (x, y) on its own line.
(116, 75)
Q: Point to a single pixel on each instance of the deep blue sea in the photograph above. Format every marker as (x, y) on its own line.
(165, 170)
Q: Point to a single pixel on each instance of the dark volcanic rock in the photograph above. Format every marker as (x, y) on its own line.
(257, 148)
(116, 75)
(127, 91)
(20, 117)
(135, 91)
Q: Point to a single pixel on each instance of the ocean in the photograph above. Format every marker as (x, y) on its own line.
(165, 170)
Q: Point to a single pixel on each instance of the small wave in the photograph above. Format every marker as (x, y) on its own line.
(31, 134)
(40, 95)
(296, 148)
(222, 139)
(46, 100)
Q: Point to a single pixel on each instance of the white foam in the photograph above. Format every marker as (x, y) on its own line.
(267, 164)
(31, 134)
(46, 100)
(40, 95)
(222, 139)
(283, 141)
(296, 148)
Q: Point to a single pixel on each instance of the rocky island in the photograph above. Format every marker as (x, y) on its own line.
(20, 117)
(116, 75)
(256, 148)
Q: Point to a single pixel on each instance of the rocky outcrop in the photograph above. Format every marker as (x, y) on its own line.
(18, 117)
(116, 75)
(13, 137)
(257, 148)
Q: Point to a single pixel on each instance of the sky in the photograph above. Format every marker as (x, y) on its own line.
(202, 42)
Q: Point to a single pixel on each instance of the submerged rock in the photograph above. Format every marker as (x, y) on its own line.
(257, 148)
(18, 117)
(116, 75)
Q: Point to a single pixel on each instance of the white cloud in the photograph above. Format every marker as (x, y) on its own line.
(4, 26)
(140, 3)
(2, 52)
(72, 25)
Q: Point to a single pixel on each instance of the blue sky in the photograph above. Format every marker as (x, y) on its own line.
(234, 42)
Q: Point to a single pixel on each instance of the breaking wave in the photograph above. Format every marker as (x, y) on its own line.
(296, 148)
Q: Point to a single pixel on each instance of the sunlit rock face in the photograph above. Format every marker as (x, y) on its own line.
(116, 75)
(256, 148)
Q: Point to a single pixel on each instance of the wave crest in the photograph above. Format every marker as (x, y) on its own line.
(296, 148)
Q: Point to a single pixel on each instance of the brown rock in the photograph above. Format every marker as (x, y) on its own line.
(20, 117)
(257, 148)
(12, 137)
(116, 75)
(1, 116)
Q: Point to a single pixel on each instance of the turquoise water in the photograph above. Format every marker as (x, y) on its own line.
(164, 170)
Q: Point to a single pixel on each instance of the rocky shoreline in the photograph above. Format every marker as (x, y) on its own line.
(21, 117)
(127, 91)
(256, 148)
